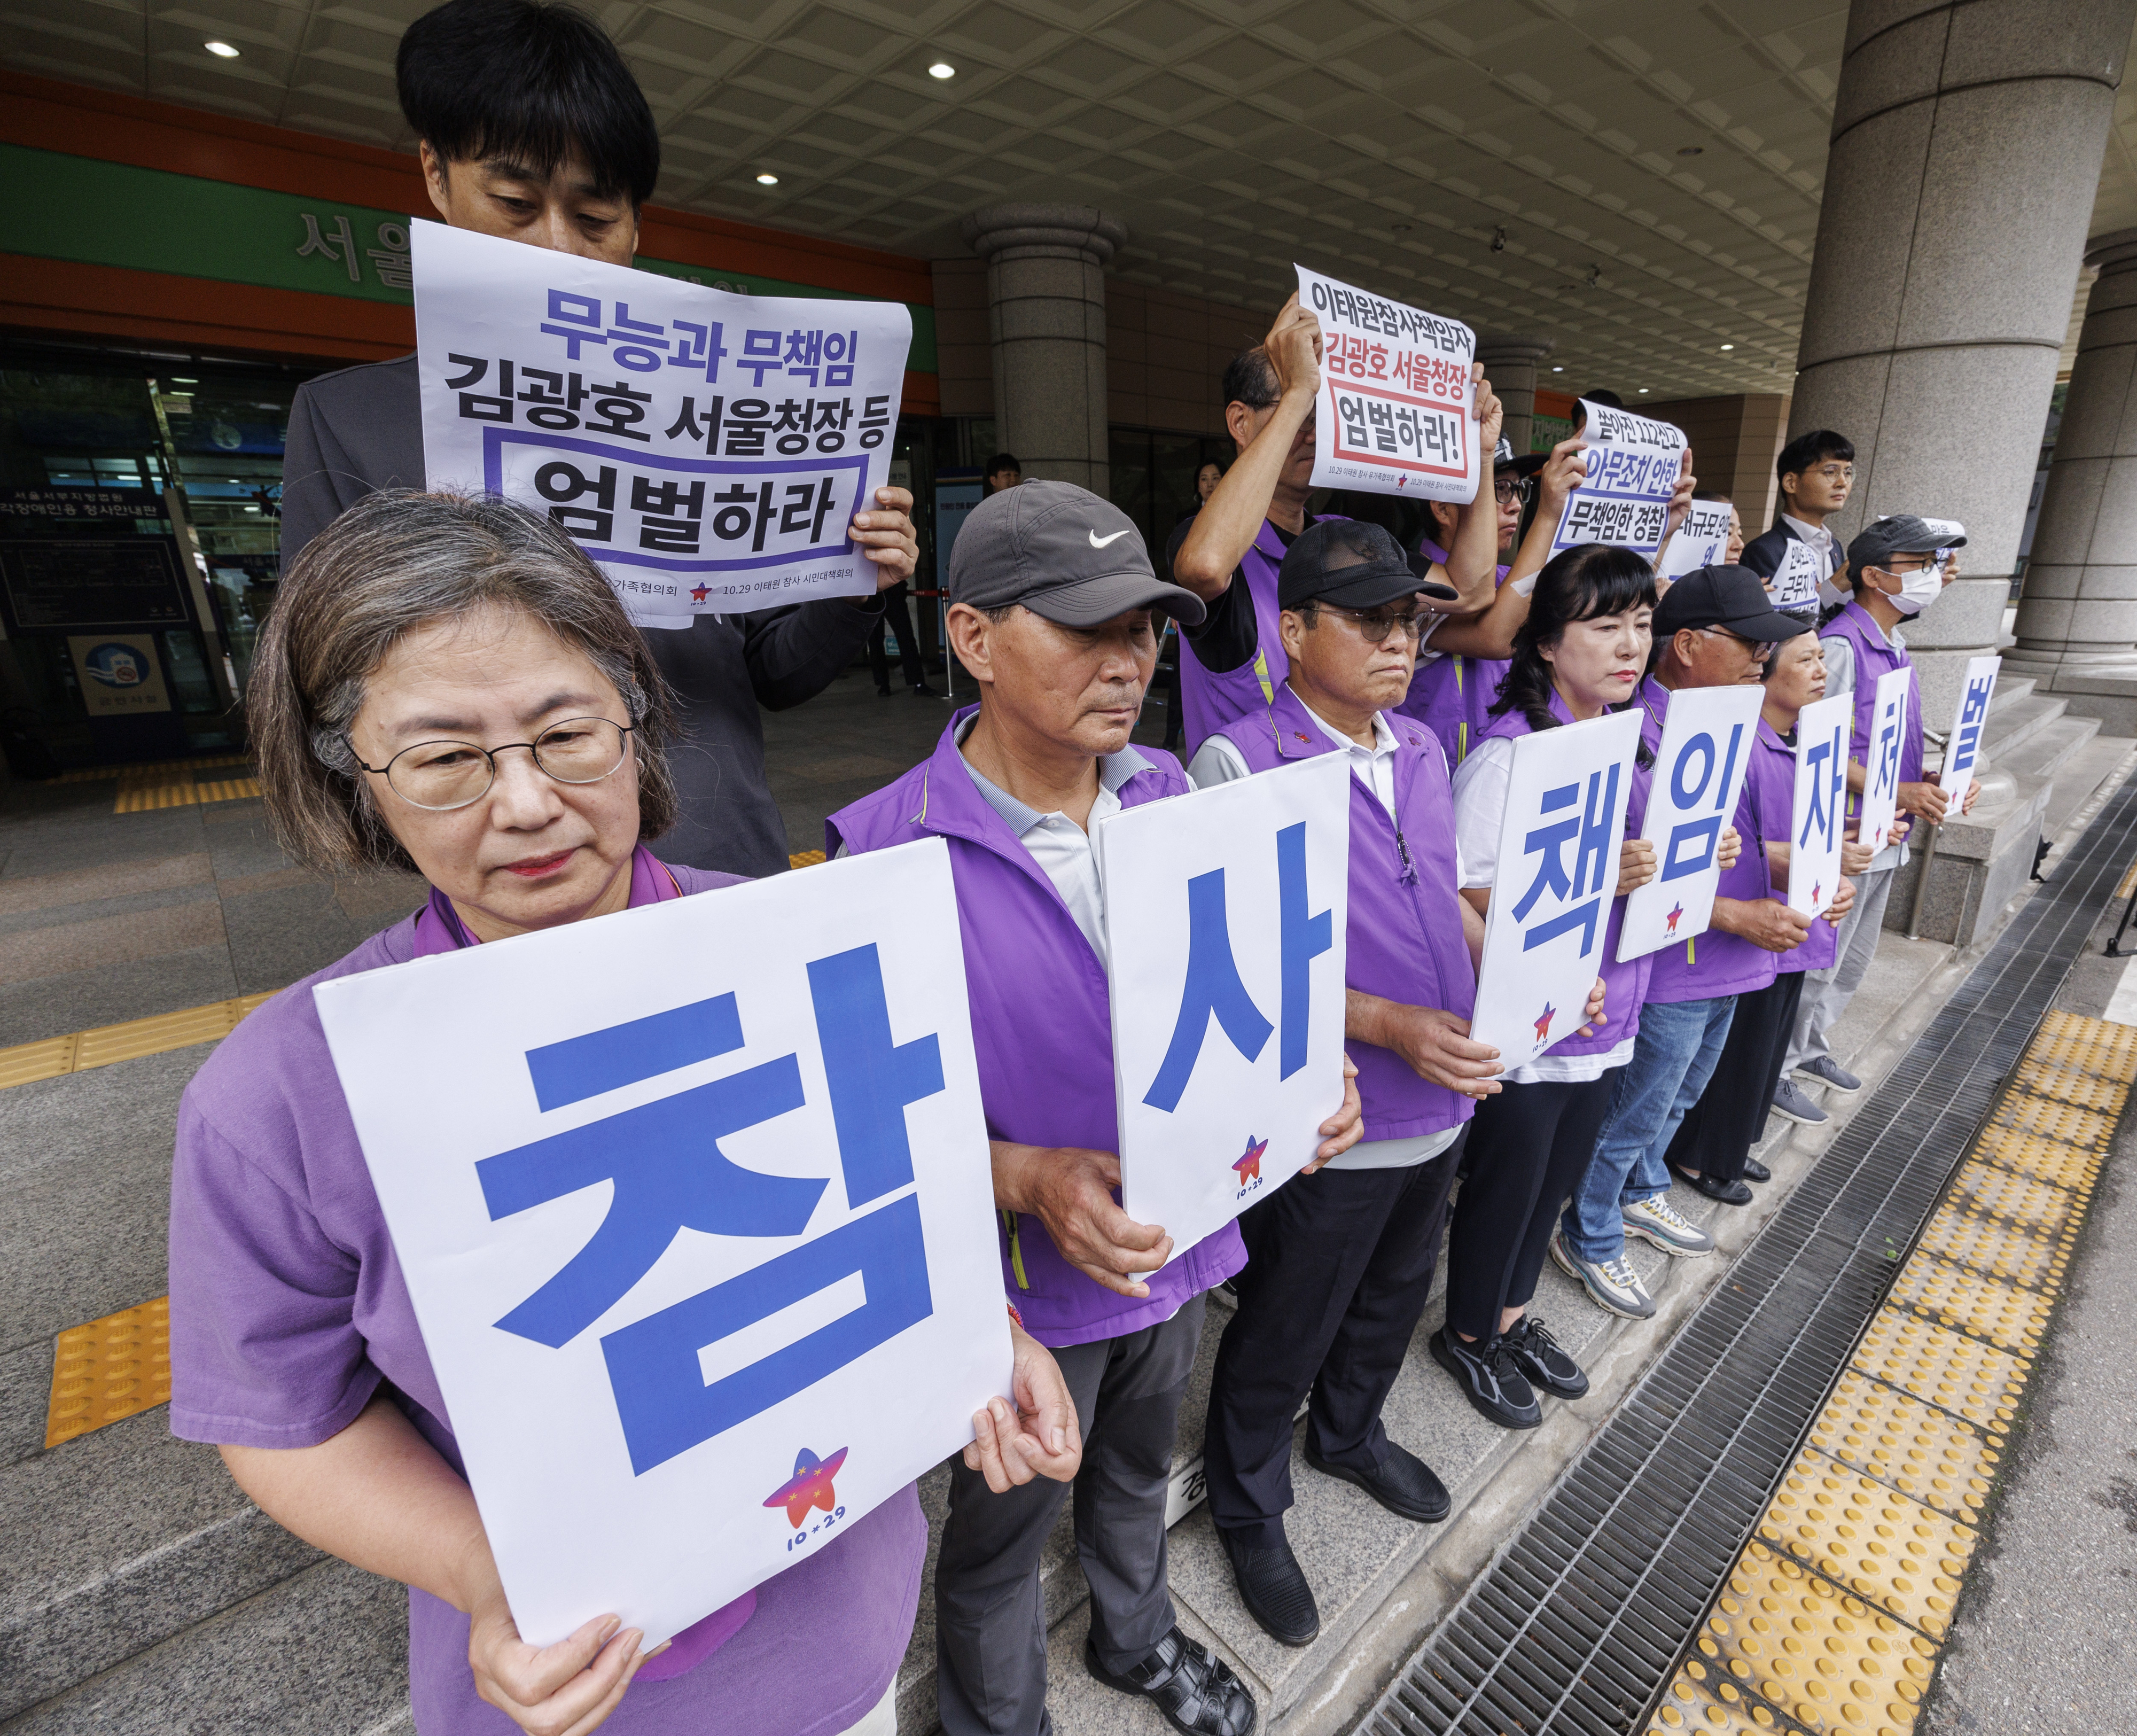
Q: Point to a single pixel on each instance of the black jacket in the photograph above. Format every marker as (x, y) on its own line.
(361, 430)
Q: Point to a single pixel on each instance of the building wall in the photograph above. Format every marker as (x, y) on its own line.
(1735, 440)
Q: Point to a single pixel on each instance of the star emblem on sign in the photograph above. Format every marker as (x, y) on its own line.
(1248, 1163)
(1543, 1021)
(699, 593)
(809, 1486)
(1673, 916)
(1817, 891)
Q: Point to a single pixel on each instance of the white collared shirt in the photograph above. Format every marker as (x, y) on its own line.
(1217, 761)
(1820, 539)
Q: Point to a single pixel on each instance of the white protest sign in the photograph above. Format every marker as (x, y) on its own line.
(1881, 773)
(1558, 871)
(1707, 736)
(1702, 540)
(1816, 815)
(694, 1207)
(1962, 747)
(1224, 927)
(1395, 395)
(1633, 463)
(708, 451)
(1795, 582)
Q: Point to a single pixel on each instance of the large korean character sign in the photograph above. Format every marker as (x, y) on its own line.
(1558, 871)
(1705, 751)
(1880, 771)
(1818, 822)
(1632, 465)
(1962, 750)
(1224, 934)
(693, 1204)
(708, 451)
(1395, 395)
(1700, 541)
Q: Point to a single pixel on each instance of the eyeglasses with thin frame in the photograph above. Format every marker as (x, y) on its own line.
(1759, 649)
(441, 776)
(1507, 490)
(1836, 472)
(1374, 629)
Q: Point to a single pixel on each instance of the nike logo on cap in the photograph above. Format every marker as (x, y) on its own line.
(1100, 542)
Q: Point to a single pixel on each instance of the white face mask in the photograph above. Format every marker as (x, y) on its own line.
(1918, 590)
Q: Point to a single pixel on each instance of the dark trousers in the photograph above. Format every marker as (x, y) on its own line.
(1528, 1147)
(1718, 1131)
(899, 619)
(1339, 1266)
(990, 1610)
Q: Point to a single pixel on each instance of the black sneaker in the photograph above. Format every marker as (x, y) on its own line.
(1542, 1359)
(1190, 1683)
(1402, 1483)
(1272, 1586)
(1486, 1372)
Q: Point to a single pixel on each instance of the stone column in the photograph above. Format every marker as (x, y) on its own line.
(1510, 364)
(1966, 145)
(2080, 609)
(1046, 296)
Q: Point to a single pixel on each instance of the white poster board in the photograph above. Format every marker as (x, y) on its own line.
(1224, 931)
(1634, 463)
(1702, 540)
(1558, 871)
(1816, 822)
(1395, 395)
(1881, 772)
(1962, 747)
(698, 1224)
(708, 451)
(1707, 737)
(1795, 582)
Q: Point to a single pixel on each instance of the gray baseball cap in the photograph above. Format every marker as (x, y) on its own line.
(1902, 533)
(1064, 553)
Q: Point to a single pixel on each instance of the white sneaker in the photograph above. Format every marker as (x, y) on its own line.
(1612, 1284)
(1660, 1223)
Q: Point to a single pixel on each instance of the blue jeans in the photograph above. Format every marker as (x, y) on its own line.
(1673, 1058)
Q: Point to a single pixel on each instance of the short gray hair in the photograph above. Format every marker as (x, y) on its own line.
(396, 561)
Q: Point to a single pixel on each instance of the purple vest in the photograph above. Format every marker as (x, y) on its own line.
(1211, 701)
(1042, 1026)
(1452, 695)
(1875, 656)
(1715, 963)
(1771, 786)
(1403, 936)
(1624, 986)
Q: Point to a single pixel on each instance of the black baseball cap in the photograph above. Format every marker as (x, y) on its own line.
(1064, 553)
(1902, 533)
(1732, 597)
(1347, 563)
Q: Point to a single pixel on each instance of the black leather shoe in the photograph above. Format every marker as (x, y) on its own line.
(921, 691)
(1542, 1359)
(1755, 1171)
(1190, 1683)
(1730, 1193)
(1272, 1586)
(1402, 1483)
(1489, 1379)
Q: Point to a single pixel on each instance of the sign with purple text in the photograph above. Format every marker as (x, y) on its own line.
(1707, 737)
(1702, 540)
(694, 1206)
(1818, 822)
(1224, 936)
(1634, 462)
(1558, 871)
(1881, 772)
(1962, 747)
(708, 451)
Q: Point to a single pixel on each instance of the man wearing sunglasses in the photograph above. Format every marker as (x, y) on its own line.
(1340, 1261)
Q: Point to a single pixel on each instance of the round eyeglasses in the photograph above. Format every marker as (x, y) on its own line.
(444, 775)
(1508, 490)
(1374, 629)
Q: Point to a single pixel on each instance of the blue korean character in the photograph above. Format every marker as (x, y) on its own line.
(841, 350)
(638, 341)
(580, 320)
(1693, 843)
(761, 353)
(805, 354)
(700, 348)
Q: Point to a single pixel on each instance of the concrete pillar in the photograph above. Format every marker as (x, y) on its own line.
(1046, 298)
(1510, 364)
(1967, 137)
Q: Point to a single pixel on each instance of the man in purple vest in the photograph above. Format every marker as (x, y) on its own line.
(1341, 1261)
(1900, 566)
(1051, 592)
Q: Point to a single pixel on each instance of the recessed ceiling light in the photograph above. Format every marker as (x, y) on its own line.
(221, 51)
(179, 379)
(1643, 391)
(1729, 346)
(767, 180)
(942, 69)
(1691, 150)
(1558, 370)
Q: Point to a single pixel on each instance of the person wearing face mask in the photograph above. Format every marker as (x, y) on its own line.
(533, 129)
(1900, 566)
(1817, 472)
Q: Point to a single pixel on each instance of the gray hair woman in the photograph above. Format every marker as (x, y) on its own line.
(449, 685)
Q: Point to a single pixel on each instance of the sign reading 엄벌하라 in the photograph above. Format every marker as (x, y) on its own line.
(1395, 395)
(1634, 463)
(1880, 775)
(693, 1204)
(1707, 736)
(708, 450)
(1819, 810)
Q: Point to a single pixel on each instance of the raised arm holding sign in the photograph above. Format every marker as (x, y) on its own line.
(1634, 465)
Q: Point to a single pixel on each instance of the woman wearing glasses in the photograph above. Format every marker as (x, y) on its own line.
(449, 685)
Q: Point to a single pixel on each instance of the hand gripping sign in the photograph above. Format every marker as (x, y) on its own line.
(1707, 738)
(1558, 872)
(1700, 541)
(1225, 916)
(1818, 819)
(1962, 749)
(1632, 467)
(1881, 774)
(708, 451)
(1393, 417)
(688, 1198)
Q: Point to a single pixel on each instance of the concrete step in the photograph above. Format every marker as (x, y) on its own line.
(2011, 727)
(2010, 689)
(2044, 754)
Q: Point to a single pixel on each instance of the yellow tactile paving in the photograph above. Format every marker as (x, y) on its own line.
(1871, 1540)
(109, 1368)
(98, 774)
(2018, 1251)
(1947, 1369)
(100, 1048)
(2024, 1113)
(2024, 1198)
(1883, 1433)
(226, 789)
(2008, 1317)
(2066, 1166)
(805, 858)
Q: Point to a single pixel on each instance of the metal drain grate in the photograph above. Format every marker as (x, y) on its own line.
(1580, 1624)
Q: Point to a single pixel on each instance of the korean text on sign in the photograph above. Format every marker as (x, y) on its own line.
(1633, 463)
(1881, 771)
(708, 450)
(1707, 736)
(1702, 540)
(1225, 930)
(1962, 750)
(701, 1201)
(1395, 395)
(1818, 821)
(1558, 871)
